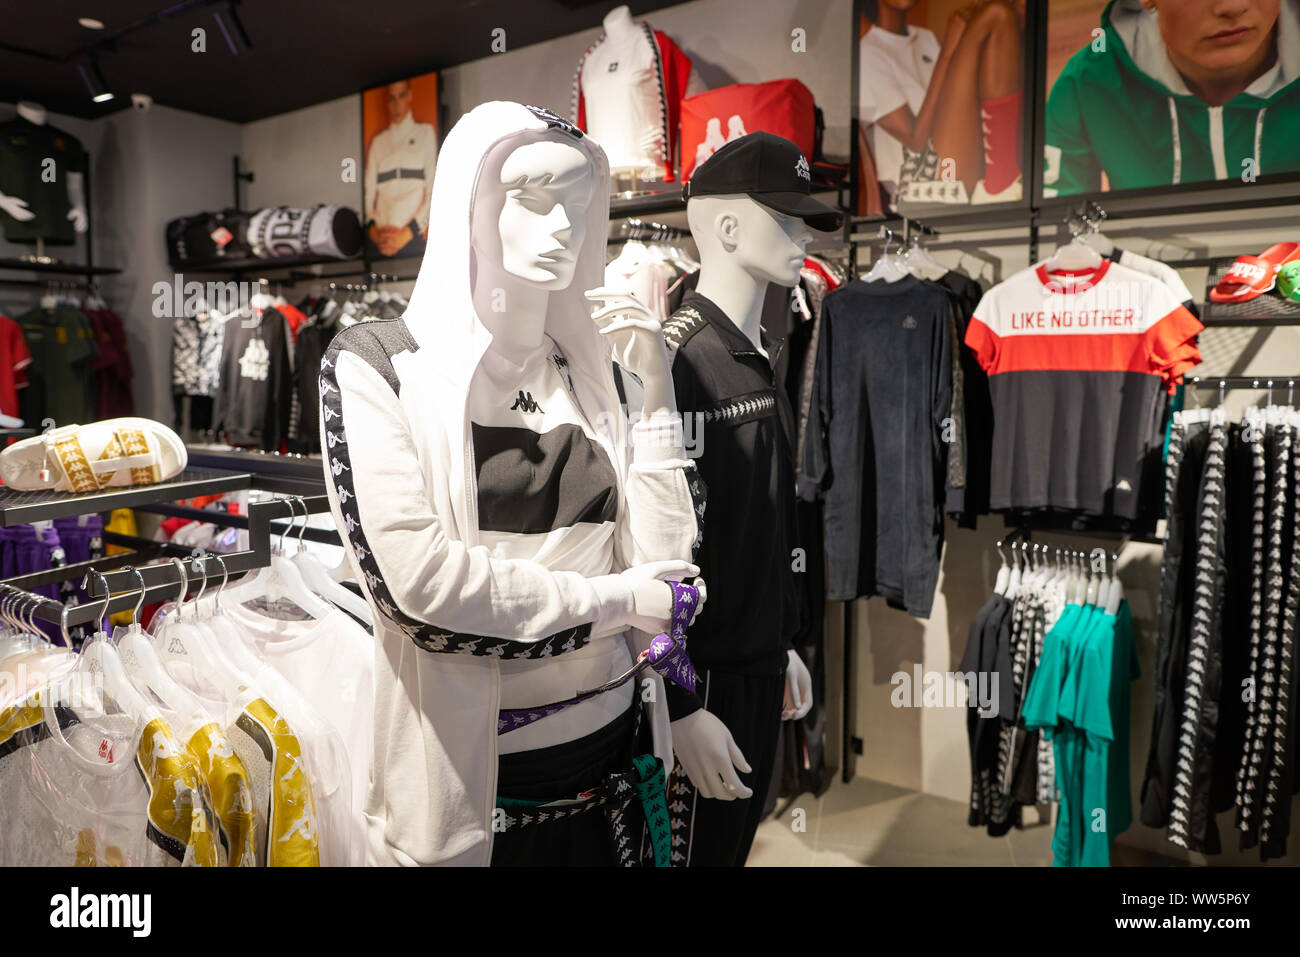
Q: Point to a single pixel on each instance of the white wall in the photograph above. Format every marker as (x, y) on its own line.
(154, 167)
(297, 158)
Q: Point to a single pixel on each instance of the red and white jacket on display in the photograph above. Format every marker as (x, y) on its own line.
(673, 68)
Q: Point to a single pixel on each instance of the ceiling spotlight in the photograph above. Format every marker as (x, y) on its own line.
(233, 30)
(90, 23)
(94, 81)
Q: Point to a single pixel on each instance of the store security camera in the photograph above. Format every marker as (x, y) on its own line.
(141, 101)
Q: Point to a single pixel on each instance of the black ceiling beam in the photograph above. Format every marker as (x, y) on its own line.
(107, 42)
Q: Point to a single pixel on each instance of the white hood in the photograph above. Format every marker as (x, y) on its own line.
(441, 314)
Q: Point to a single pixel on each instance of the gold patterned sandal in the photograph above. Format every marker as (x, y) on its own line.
(87, 458)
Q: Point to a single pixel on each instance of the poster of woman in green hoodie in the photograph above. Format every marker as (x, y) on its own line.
(1165, 92)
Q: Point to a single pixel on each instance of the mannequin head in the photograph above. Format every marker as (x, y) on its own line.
(738, 235)
(32, 112)
(620, 18)
(543, 218)
(529, 224)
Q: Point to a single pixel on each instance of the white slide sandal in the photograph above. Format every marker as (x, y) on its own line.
(87, 458)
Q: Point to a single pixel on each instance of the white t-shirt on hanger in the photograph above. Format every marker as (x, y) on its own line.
(331, 663)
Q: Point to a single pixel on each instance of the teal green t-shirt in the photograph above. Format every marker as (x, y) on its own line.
(1070, 744)
(1044, 692)
(1106, 670)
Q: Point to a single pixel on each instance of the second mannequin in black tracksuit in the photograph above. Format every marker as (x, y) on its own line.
(749, 210)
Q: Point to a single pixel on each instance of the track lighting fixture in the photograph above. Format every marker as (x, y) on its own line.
(94, 81)
(232, 29)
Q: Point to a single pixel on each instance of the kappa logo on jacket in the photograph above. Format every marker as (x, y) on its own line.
(255, 363)
(525, 403)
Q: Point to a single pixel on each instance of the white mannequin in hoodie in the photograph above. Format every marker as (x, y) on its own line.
(463, 634)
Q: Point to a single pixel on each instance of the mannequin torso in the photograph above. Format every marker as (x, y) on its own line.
(621, 86)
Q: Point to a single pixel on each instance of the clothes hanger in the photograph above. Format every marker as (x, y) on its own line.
(1017, 573)
(281, 579)
(1073, 256)
(318, 578)
(890, 268)
(197, 659)
(145, 669)
(1094, 586)
(1004, 572)
(99, 657)
(1104, 585)
(920, 261)
(1116, 594)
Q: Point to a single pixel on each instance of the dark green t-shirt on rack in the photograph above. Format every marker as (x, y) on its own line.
(62, 343)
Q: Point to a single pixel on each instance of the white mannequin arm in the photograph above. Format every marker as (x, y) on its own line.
(798, 688)
(15, 207)
(77, 197)
(425, 577)
(709, 756)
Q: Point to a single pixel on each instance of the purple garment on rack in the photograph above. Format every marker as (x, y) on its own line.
(81, 542)
(24, 551)
(9, 552)
(34, 552)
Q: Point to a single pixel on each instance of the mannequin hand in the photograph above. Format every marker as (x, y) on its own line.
(798, 689)
(79, 220)
(709, 756)
(637, 340)
(16, 208)
(652, 144)
(652, 597)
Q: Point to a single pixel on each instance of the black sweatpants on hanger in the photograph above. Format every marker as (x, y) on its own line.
(712, 833)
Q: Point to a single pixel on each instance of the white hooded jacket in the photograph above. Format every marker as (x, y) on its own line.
(401, 480)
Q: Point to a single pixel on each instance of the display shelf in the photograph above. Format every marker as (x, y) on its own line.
(247, 264)
(58, 267)
(19, 508)
(663, 201)
(288, 474)
(670, 200)
(1270, 309)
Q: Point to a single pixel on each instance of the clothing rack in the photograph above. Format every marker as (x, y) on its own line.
(161, 582)
(371, 278)
(1242, 383)
(630, 229)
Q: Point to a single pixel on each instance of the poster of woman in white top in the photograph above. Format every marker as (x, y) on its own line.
(939, 110)
(400, 130)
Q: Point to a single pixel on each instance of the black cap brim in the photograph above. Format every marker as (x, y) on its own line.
(813, 212)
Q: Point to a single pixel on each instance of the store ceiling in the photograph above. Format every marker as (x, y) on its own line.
(303, 51)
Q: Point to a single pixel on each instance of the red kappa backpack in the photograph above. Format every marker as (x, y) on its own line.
(710, 119)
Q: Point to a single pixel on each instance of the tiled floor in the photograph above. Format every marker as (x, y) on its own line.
(871, 823)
